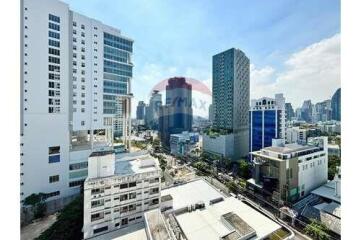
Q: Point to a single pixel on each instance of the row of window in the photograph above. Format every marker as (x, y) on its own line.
(54, 18)
(54, 178)
(76, 166)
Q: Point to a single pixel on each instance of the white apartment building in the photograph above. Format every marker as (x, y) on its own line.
(75, 95)
(296, 135)
(118, 190)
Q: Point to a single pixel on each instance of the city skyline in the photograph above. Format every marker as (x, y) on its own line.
(290, 62)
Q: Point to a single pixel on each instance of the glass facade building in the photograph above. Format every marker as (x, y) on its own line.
(267, 122)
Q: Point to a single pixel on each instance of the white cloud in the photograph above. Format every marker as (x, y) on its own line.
(312, 73)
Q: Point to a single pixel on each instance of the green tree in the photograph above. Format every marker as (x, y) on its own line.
(69, 223)
(37, 201)
(232, 186)
(316, 230)
(244, 169)
(333, 163)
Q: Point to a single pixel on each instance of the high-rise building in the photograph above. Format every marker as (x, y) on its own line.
(306, 111)
(290, 114)
(75, 95)
(141, 110)
(322, 111)
(267, 121)
(231, 74)
(211, 113)
(176, 116)
(336, 105)
(152, 110)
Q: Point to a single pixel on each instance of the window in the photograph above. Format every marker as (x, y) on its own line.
(97, 203)
(124, 221)
(154, 190)
(54, 178)
(54, 51)
(74, 31)
(54, 35)
(154, 201)
(54, 60)
(101, 229)
(132, 207)
(132, 184)
(76, 166)
(52, 194)
(54, 150)
(76, 183)
(54, 26)
(54, 43)
(97, 191)
(83, 34)
(132, 195)
(54, 68)
(54, 76)
(123, 197)
(74, 39)
(54, 18)
(74, 24)
(123, 186)
(97, 216)
(82, 122)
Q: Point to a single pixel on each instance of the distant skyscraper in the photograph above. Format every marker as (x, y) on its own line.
(210, 113)
(176, 115)
(141, 110)
(306, 111)
(267, 121)
(152, 110)
(322, 111)
(230, 101)
(75, 95)
(336, 105)
(290, 114)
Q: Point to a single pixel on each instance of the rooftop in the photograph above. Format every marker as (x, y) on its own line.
(191, 193)
(138, 162)
(207, 223)
(289, 148)
(327, 191)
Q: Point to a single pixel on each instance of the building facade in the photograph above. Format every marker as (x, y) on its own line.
(141, 110)
(75, 85)
(267, 121)
(296, 135)
(336, 105)
(290, 113)
(306, 111)
(152, 110)
(176, 116)
(288, 172)
(118, 191)
(230, 88)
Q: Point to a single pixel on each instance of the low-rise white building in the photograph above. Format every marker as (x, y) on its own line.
(218, 144)
(183, 143)
(296, 135)
(118, 190)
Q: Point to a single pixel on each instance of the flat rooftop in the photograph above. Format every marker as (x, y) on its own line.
(289, 148)
(138, 162)
(207, 223)
(191, 193)
(327, 191)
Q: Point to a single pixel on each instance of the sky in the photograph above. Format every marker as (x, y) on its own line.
(293, 46)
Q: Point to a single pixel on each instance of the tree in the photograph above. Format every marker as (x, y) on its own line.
(232, 186)
(316, 230)
(333, 163)
(37, 201)
(244, 169)
(69, 223)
